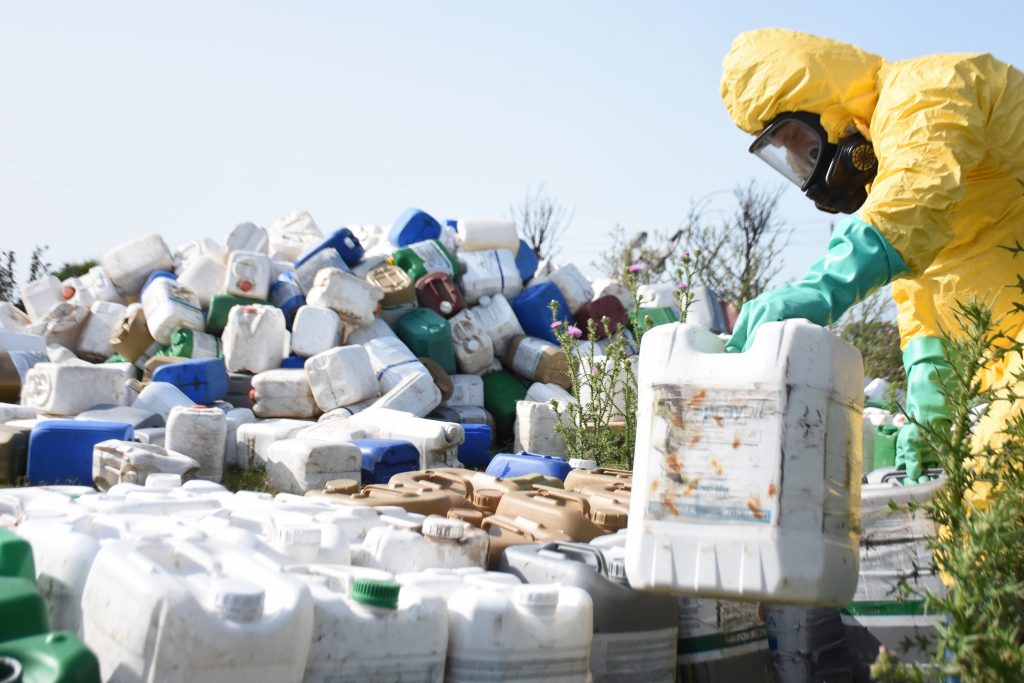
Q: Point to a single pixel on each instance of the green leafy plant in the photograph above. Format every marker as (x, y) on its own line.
(600, 424)
(980, 546)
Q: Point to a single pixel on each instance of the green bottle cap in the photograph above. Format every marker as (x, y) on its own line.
(376, 593)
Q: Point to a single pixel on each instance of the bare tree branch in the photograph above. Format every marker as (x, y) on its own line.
(542, 221)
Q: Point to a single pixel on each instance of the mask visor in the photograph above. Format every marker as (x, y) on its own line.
(792, 147)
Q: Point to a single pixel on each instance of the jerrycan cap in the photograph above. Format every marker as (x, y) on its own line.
(236, 600)
(536, 596)
(582, 464)
(245, 285)
(68, 293)
(444, 529)
(617, 570)
(163, 480)
(446, 307)
(472, 345)
(298, 534)
(10, 670)
(376, 592)
(487, 499)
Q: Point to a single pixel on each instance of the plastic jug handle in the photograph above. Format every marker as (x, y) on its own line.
(201, 557)
(507, 527)
(548, 493)
(458, 483)
(579, 552)
(16, 511)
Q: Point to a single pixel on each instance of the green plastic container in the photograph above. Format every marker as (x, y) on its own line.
(220, 306)
(50, 658)
(429, 256)
(501, 391)
(16, 556)
(186, 343)
(658, 316)
(22, 609)
(885, 446)
(428, 334)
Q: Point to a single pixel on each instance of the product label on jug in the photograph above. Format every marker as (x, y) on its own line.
(434, 258)
(720, 453)
(646, 655)
(528, 355)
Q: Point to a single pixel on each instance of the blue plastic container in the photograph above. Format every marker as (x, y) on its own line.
(154, 275)
(475, 451)
(204, 380)
(533, 308)
(286, 294)
(526, 261)
(344, 241)
(293, 362)
(413, 226)
(507, 465)
(384, 458)
(60, 451)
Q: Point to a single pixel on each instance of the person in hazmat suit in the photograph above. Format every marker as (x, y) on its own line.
(929, 153)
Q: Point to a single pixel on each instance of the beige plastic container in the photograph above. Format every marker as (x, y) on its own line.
(422, 502)
(396, 284)
(563, 511)
(131, 337)
(354, 299)
(577, 480)
(480, 490)
(474, 350)
(503, 532)
(538, 360)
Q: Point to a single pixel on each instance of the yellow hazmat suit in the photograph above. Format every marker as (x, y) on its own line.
(948, 131)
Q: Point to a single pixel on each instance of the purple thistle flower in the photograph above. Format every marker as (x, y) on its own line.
(555, 325)
(682, 285)
(574, 332)
(635, 268)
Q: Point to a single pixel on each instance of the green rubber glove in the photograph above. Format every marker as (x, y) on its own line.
(927, 368)
(859, 260)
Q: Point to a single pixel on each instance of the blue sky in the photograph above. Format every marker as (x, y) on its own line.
(185, 118)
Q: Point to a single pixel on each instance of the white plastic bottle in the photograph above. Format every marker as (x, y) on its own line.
(535, 429)
(94, 341)
(478, 235)
(184, 254)
(116, 462)
(341, 376)
(315, 330)
(129, 264)
(254, 338)
(293, 234)
(247, 237)
(747, 460)
(234, 419)
(169, 305)
(533, 632)
(573, 285)
(100, 286)
(467, 390)
(284, 392)
(495, 315)
(39, 296)
(391, 360)
(71, 389)
(300, 465)
(252, 439)
(438, 442)
(161, 397)
(368, 628)
(489, 272)
(354, 299)
(179, 612)
(415, 393)
(439, 542)
(248, 274)
(200, 434)
(474, 350)
(204, 275)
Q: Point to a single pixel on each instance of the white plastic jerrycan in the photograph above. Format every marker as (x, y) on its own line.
(254, 339)
(248, 274)
(184, 612)
(368, 628)
(747, 467)
(532, 632)
(439, 542)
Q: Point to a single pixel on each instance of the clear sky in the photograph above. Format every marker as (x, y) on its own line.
(187, 117)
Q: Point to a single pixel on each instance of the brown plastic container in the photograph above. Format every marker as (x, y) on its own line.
(605, 306)
(396, 283)
(530, 482)
(441, 378)
(157, 362)
(437, 292)
(13, 454)
(131, 337)
(343, 486)
(456, 498)
(423, 502)
(538, 360)
(503, 532)
(577, 480)
(609, 505)
(562, 511)
(467, 515)
(10, 379)
(481, 491)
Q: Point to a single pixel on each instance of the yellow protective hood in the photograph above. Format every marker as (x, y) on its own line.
(770, 71)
